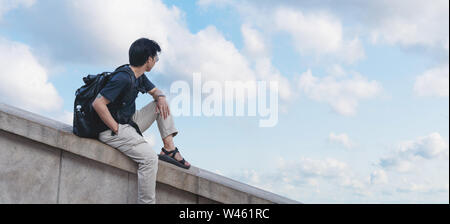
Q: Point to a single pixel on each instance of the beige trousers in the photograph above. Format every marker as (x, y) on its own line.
(133, 145)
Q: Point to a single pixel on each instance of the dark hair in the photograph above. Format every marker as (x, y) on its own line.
(141, 50)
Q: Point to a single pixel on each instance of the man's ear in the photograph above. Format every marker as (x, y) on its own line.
(149, 61)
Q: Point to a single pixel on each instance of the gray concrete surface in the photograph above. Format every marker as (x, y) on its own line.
(41, 161)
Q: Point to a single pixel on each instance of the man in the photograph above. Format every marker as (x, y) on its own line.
(122, 125)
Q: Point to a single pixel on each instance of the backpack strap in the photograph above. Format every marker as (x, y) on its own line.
(121, 69)
(130, 121)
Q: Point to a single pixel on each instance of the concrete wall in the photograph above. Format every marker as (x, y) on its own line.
(41, 161)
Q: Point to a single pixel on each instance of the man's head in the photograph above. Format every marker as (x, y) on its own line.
(144, 52)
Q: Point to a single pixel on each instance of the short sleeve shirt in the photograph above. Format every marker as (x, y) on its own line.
(121, 96)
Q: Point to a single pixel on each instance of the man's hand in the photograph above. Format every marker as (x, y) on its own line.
(162, 107)
(116, 129)
(100, 107)
(161, 104)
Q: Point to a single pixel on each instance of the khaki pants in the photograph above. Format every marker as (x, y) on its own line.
(129, 142)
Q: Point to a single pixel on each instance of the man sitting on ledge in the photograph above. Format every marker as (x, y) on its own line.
(122, 125)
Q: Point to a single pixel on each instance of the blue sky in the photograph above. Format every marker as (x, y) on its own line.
(364, 111)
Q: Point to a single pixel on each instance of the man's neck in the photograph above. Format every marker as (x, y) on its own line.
(138, 71)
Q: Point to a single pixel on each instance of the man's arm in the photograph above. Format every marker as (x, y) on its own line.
(160, 98)
(100, 107)
(155, 92)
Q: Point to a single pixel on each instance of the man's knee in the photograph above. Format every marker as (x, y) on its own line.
(145, 155)
(150, 157)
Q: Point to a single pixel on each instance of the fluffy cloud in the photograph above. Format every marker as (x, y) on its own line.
(432, 146)
(209, 53)
(411, 23)
(24, 80)
(317, 33)
(307, 180)
(255, 45)
(7, 5)
(378, 176)
(407, 23)
(316, 168)
(66, 117)
(313, 32)
(341, 92)
(321, 180)
(433, 82)
(427, 187)
(342, 139)
(429, 147)
(319, 174)
(257, 51)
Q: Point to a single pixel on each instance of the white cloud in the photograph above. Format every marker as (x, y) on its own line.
(320, 180)
(66, 117)
(257, 51)
(336, 70)
(331, 171)
(378, 176)
(409, 153)
(24, 81)
(341, 139)
(308, 167)
(428, 187)
(342, 93)
(433, 82)
(254, 43)
(411, 22)
(307, 180)
(311, 32)
(314, 32)
(407, 23)
(317, 33)
(211, 54)
(7, 5)
(396, 164)
(432, 146)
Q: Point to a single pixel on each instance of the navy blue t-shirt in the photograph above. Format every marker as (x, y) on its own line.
(117, 89)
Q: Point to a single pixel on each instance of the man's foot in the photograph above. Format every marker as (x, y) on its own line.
(173, 156)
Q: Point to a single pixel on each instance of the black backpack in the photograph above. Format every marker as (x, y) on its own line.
(85, 118)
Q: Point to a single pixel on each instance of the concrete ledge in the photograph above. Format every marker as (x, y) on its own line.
(204, 186)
